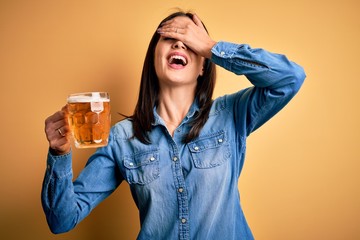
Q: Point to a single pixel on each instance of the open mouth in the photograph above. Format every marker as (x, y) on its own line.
(178, 60)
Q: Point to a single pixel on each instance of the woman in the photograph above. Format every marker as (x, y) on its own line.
(181, 152)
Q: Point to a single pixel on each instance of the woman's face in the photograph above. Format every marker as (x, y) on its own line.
(175, 63)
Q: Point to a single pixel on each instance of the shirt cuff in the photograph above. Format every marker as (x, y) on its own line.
(225, 49)
(59, 165)
(223, 52)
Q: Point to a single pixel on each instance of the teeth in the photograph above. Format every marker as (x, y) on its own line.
(176, 58)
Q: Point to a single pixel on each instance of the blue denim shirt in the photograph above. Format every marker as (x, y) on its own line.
(182, 191)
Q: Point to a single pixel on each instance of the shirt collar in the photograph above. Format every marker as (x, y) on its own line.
(191, 113)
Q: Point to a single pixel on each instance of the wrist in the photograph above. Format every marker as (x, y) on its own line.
(210, 45)
(56, 152)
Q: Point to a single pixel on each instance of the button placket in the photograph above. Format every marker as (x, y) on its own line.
(179, 181)
(182, 196)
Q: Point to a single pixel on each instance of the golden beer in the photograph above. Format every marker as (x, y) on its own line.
(89, 118)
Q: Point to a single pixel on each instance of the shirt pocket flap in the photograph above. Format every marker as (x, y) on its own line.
(210, 151)
(141, 160)
(142, 168)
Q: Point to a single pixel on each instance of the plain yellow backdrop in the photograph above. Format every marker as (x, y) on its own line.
(300, 180)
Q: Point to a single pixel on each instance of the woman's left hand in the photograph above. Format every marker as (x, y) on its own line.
(191, 32)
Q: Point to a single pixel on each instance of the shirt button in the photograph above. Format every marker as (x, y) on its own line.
(180, 190)
(196, 148)
(183, 220)
(131, 164)
(152, 159)
(220, 140)
(222, 53)
(175, 159)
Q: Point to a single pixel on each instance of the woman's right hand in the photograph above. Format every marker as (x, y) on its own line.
(58, 133)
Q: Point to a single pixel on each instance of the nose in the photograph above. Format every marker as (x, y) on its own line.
(179, 44)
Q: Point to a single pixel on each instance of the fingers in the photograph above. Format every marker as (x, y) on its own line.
(54, 122)
(170, 30)
(176, 26)
(183, 21)
(197, 21)
(58, 132)
(191, 32)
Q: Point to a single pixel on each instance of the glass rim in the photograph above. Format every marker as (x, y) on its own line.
(88, 97)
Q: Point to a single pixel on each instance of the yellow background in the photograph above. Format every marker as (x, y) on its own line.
(301, 177)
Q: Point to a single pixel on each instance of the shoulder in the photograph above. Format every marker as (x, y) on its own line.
(219, 104)
(226, 102)
(123, 129)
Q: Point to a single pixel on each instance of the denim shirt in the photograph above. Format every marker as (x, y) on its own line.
(182, 191)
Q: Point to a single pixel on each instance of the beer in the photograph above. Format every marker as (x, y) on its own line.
(89, 118)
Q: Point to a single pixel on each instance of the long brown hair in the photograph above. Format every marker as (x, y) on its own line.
(143, 116)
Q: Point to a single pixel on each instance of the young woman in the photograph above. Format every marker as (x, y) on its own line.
(181, 152)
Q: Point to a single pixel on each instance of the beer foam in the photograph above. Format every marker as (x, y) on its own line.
(79, 98)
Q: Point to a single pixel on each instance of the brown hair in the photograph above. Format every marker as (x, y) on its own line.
(143, 116)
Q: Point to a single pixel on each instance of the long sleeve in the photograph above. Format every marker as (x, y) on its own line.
(65, 202)
(57, 193)
(276, 80)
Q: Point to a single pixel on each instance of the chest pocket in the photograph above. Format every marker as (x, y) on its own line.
(142, 168)
(210, 151)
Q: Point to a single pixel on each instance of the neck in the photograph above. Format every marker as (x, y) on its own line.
(173, 107)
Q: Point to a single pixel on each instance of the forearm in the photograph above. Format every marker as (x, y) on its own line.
(58, 194)
(276, 80)
(66, 202)
(262, 68)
